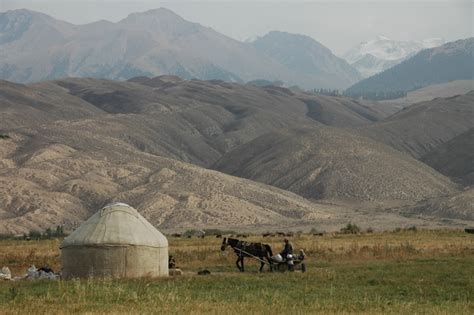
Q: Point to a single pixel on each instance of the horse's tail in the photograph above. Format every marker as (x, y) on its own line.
(269, 249)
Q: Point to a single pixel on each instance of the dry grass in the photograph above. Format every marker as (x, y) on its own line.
(203, 253)
(391, 272)
(196, 253)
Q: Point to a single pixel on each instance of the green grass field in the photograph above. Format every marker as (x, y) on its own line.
(424, 272)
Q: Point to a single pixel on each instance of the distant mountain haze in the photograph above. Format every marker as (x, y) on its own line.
(305, 56)
(36, 47)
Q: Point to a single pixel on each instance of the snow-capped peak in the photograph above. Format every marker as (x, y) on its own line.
(385, 48)
(382, 37)
(385, 52)
(433, 42)
(251, 39)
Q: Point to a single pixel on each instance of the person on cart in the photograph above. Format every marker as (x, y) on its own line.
(287, 250)
(287, 254)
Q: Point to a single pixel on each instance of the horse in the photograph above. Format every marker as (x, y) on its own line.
(246, 249)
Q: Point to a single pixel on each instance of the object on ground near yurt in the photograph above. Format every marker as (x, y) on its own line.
(176, 272)
(115, 242)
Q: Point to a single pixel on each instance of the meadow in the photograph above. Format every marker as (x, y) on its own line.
(424, 272)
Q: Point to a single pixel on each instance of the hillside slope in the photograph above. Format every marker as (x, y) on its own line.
(457, 206)
(430, 92)
(22, 105)
(422, 127)
(328, 163)
(205, 118)
(64, 177)
(454, 158)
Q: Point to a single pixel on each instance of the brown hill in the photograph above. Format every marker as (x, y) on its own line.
(454, 158)
(77, 144)
(73, 145)
(324, 163)
(340, 111)
(53, 184)
(23, 105)
(422, 127)
(206, 118)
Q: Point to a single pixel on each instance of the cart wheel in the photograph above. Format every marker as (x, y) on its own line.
(303, 267)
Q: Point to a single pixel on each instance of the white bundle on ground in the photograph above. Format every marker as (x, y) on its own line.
(34, 274)
(5, 273)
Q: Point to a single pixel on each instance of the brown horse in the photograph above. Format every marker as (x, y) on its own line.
(246, 249)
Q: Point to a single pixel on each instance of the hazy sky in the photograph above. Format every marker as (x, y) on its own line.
(337, 24)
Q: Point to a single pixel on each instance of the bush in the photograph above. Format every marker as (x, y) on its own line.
(369, 230)
(411, 229)
(218, 232)
(350, 229)
(4, 237)
(4, 136)
(47, 234)
(34, 235)
(316, 231)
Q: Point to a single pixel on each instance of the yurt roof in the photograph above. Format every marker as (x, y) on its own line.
(116, 224)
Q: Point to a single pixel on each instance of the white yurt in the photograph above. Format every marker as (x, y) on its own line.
(115, 242)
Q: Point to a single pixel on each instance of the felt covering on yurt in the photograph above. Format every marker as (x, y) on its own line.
(115, 242)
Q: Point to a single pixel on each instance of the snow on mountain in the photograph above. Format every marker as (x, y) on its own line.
(381, 53)
(250, 39)
(441, 64)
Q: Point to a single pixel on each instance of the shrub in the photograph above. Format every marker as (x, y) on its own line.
(6, 237)
(47, 234)
(350, 229)
(2, 136)
(316, 231)
(369, 230)
(34, 235)
(218, 232)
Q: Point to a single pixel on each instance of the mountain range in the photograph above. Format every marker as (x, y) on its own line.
(35, 47)
(196, 154)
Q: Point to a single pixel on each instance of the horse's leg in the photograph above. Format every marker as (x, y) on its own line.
(237, 263)
(261, 264)
(270, 262)
(242, 262)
